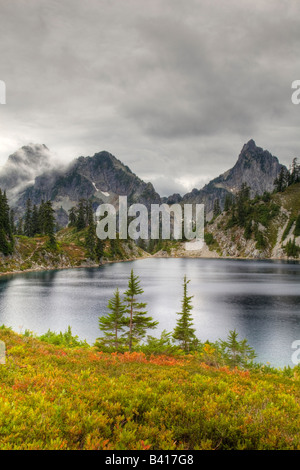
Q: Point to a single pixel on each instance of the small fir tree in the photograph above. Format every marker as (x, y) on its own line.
(113, 324)
(237, 353)
(184, 332)
(138, 322)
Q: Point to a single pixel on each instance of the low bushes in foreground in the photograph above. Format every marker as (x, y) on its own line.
(55, 397)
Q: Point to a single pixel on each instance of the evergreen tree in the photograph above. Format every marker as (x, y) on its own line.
(297, 227)
(90, 237)
(113, 324)
(41, 216)
(281, 180)
(228, 202)
(81, 220)
(6, 233)
(99, 250)
(138, 322)
(4, 245)
(19, 228)
(184, 332)
(72, 217)
(261, 242)
(115, 247)
(217, 208)
(89, 213)
(248, 230)
(292, 249)
(141, 243)
(294, 172)
(28, 219)
(237, 353)
(90, 240)
(242, 200)
(12, 221)
(233, 218)
(49, 223)
(35, 222)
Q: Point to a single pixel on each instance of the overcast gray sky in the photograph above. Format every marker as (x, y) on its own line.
(173, 88)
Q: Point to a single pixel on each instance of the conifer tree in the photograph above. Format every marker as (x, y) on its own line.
(242, 200)
(12, 221)
(19, 228)
(6, 234)
(228, 202)
(99, 249)
(81, 220)
(41, 216)
(72, 217)
(294, 172)
(237, 353)
(281, 180)
(291, 248)
(90, 237)
(28, 219)
(184, 332)
(297, 227)
(113, 324)
(138, 322)
(35, 223)
(49, 223)
(217, 208)
(115, 248)
(4, 245)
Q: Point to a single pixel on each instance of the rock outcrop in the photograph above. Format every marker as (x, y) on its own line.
(255, 167)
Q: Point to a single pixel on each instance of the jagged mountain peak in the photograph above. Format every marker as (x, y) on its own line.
(255, 166)
(29, 172)
(251, 152)
(100, 178)
(249, 145)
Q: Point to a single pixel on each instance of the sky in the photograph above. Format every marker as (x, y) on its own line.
(172, 88)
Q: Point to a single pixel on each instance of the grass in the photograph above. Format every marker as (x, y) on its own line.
(57, 397)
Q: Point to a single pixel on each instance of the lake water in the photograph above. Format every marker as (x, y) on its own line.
(260, 299)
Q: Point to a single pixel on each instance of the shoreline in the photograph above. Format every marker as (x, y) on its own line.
(96, 265)
(43, 269)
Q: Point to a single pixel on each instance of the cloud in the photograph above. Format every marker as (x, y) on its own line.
(172, 88)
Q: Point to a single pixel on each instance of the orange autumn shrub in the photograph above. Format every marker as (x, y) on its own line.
(58, 398)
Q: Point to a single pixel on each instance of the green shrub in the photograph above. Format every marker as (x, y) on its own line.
(62, 339)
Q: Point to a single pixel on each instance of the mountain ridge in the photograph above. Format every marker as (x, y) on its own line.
(255, 166)
(102, 177)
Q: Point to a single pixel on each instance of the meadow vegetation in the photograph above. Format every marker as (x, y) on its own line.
(140, 392)
(72, 396)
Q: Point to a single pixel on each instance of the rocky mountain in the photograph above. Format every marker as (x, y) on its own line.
(101, 178)
(272, 231)
(22, 167)
(255, 166)
(30, 173)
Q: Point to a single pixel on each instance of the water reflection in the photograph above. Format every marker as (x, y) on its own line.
(260, 299)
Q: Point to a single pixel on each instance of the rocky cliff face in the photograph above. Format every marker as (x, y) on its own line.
(101, 178)
(29, 173)
(255, 167)
(228, 241)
